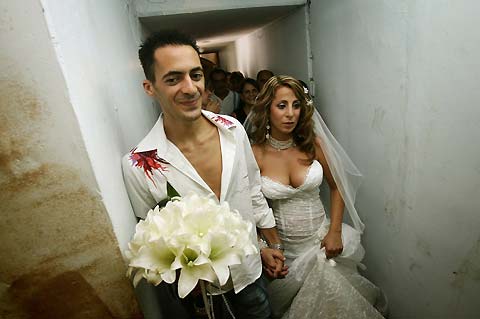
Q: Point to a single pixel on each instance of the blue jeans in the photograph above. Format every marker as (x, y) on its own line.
(251, 302)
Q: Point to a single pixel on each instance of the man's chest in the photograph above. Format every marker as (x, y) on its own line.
(206, 159)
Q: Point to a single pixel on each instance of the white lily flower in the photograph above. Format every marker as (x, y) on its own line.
(193, 234)
(223, 255)
(156, 257)
(194, 267)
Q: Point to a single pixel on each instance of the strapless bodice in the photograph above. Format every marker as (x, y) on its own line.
(298, 211)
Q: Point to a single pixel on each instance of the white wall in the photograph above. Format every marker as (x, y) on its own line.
(228, 58)
(96, 43)
(60, 257)
(397, 82)
(270, 48)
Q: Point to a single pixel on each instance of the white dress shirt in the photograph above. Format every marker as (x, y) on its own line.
(240, 185)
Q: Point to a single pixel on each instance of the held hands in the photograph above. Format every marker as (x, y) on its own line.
(333, 244)
(273, 263)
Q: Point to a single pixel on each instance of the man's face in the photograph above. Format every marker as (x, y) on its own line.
(263, 77)
(179, 82)
(219, 81)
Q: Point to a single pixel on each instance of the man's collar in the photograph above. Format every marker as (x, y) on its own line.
(156, 139)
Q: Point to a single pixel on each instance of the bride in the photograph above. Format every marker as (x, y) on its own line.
(295, 151)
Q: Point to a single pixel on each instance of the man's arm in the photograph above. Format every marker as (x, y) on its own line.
(272, 256)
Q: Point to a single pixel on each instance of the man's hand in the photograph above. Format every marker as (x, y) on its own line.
(333, 244)
(272, 260)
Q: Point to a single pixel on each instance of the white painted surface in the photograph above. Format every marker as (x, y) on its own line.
(270, 48)
(397, 82)
(146, 8)
(228, 58)
(38, 74)
(96, 44)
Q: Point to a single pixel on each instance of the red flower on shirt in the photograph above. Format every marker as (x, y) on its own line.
(223, 120)
(149, 161)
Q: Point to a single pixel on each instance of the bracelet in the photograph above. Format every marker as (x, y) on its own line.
(278, 246)
(262, 243)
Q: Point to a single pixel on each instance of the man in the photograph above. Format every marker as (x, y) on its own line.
(196, 150)
(235, 81)
(230, 99)
(263, 76)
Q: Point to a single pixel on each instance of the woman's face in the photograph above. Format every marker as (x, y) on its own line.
(249, 93)
(284, 113)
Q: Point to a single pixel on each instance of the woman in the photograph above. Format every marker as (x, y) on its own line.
(248, 94)
(294, 151)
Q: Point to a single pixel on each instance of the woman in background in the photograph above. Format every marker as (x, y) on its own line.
(248, 94)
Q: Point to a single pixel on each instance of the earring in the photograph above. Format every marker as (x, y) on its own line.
(267, 136)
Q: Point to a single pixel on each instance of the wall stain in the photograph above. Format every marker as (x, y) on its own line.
(378, 119)
(67, 295)
(60, 257)
(423, 247)
(469, 268)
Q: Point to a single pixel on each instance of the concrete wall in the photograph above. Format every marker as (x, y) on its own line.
(97, 44)
(228, 58)
(60, 257)
(269, 48)
(397, 82)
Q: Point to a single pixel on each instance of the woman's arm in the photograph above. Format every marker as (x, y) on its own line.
(333, 240)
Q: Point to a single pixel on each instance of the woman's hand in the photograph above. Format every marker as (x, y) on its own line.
(333, 244)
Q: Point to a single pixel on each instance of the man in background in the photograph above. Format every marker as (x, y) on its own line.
(263, 76)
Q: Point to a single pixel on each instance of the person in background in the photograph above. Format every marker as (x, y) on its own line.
(235, 81)
(248, 93)
(207, 66)
(219, 84)
(263, 76)
(210, 102)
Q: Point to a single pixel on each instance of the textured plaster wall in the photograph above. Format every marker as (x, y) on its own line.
(228, 58)
(60, 257)
(397, 82)
(96, 43)
(270, 48)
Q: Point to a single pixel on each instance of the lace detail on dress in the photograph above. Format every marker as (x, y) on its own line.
(299, 212)
(315, 287)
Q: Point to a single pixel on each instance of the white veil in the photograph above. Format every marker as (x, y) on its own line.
(346, 175)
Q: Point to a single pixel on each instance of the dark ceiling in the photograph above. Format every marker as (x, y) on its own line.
(215, 29)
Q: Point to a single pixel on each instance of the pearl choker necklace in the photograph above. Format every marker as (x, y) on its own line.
(280, 145)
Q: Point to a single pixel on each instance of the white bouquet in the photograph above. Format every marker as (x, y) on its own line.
(192, 234)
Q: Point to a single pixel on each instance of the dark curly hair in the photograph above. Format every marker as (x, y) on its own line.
(160, 40)
(303, 134)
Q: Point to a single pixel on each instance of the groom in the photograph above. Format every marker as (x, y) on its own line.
(199, 151)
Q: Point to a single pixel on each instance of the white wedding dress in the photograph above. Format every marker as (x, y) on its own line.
(316, 287)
